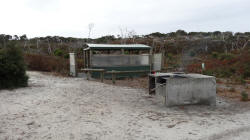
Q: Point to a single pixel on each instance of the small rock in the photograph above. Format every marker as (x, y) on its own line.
(31, 123)
(171, 126)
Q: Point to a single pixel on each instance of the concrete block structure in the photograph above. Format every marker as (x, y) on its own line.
(72, 61)
(182, 89)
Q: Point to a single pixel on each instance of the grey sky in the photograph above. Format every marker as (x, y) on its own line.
(71, 17)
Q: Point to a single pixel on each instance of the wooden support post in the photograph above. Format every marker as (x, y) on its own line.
(113, 77)
(163, 60)
(88, 75)
(122, 51)
(102, 76)
(90, 58)
(140, 52)
(151, 59)
(84, 59)
(87, 59)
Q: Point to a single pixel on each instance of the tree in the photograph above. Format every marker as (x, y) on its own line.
(2, 39)
(216, 33)
(90, 27)
(172, 34)
(181, 32)
(123, 35)
(156, 34)
(105, 39)
(132, 35)
(247, 34)
(16, 37)
(23, 37)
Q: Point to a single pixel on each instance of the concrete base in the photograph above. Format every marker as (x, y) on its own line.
(72, 61)
(73, 70)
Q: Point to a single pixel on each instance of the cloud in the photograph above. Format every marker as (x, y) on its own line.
(71, 17)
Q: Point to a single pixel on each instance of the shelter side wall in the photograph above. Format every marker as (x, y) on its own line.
(119, 60)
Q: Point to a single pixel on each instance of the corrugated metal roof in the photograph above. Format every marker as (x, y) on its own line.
(117, 46)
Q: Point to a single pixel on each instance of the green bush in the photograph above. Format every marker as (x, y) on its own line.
(192, 54)
(215, 55)
(246, 73)
(58, 52)
(225, 73)
(244, 96)
(226, 56)
(170, 56)
(12, 67)
(66, 56)
(208, 72)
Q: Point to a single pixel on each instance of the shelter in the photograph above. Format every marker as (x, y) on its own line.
(131, 57)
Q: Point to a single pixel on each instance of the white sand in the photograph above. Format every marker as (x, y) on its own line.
(73, 108)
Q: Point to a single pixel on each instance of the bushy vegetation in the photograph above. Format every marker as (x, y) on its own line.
(12, 67)
(244, 96)
(234, 65)
(47, 63)
(224, 53)
(58, 52)
(54, 64)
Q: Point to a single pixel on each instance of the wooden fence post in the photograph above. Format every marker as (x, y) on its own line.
(88, 75)
(102, 76)
(113, 77)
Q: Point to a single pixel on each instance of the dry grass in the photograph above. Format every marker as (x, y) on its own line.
(139, 83)
(53, 64)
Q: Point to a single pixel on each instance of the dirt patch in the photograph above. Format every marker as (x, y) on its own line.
(139, 83)
(232, 91)
(73, 108)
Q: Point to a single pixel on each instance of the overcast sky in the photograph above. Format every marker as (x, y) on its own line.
(71, 17)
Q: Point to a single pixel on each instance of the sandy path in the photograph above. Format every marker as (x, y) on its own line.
(73, 108)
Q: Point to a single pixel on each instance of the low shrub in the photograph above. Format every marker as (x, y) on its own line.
(231, 89)
(244, 96)
(58, 52)
(225, 73)
(192, 54)
(47, 63)
(226, 56)
(208, 72)
(215, 55)
(234, 65)
(66, 56)
(170, 56)
(12, 67)
(54, 64)
(246, 72)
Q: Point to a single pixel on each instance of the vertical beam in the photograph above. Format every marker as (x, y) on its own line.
(84, 60)
(88, 75)
(113, 77)
(163, 59)
(90, 57)
(87, 59)
(140, 52)
(102, 76)
(151, 59)
(122, 51)
(149, 84)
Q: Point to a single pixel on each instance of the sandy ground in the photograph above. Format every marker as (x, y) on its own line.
(72, 108)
